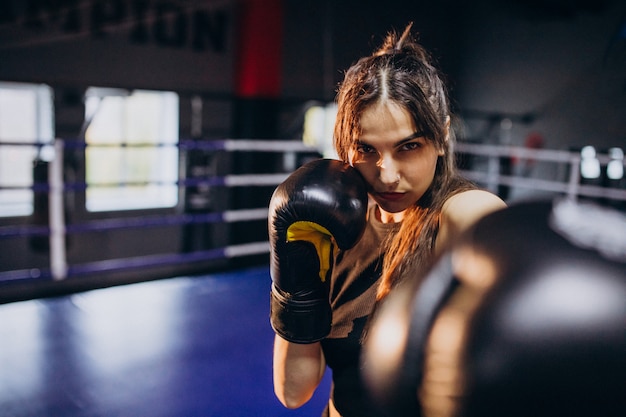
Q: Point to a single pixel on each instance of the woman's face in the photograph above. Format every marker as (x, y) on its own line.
(395, 159)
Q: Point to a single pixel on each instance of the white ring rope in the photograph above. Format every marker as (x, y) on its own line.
(572, 188)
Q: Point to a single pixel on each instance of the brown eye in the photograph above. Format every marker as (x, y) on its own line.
(410, 146)
(363, 148)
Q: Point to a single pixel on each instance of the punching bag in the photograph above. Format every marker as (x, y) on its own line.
(40, 243)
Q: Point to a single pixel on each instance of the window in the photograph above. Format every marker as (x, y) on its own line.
(26, 119)
(319, 121)
(131, 157)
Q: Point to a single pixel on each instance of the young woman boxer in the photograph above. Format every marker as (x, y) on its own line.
(394, 128)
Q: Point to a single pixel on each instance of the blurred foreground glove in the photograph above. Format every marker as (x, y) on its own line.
(320, 205)
(525, 317)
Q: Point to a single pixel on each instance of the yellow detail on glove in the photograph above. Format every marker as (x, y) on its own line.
(319, 236)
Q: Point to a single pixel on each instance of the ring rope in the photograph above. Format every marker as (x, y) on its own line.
(546, 185)
(230, 145)
(548, 155)
(242, 180)
(275, 179)
(228, 216)
(139, 262)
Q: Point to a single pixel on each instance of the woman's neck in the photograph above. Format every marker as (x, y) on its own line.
(386, 217)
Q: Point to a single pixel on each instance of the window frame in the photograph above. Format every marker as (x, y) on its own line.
(120, 192)
(37, 143)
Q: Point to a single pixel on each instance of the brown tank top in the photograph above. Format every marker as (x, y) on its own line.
(355, 276)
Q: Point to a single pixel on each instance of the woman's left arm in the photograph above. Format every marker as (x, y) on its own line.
(461, 211)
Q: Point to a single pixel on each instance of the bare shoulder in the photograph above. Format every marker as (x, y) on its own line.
(471, 205)
(462, 210)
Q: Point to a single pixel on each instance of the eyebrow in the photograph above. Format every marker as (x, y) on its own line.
(401, 142)
(414, 135)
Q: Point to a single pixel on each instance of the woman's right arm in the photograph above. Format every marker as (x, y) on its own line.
(298, 370)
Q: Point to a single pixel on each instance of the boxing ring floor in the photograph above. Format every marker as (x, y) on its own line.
(183, 346)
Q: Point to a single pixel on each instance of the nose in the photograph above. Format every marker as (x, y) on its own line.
(388, 170)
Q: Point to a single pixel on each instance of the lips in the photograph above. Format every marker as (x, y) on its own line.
(391, 196)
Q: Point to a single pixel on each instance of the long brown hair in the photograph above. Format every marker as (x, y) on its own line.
(402, 71)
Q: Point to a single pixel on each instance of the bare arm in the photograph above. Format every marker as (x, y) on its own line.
(298, 370)
(461, 211)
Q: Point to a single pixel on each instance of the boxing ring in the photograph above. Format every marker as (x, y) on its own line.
(485, 167)
(183, 346)
(57, 230)
(189, 344)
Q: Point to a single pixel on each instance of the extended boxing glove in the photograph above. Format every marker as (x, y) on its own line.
(525, 317)
(320, 206)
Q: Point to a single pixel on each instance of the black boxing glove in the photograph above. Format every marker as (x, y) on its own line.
(320, 205)
(393, 352)
(550, 337)
(526, 317)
